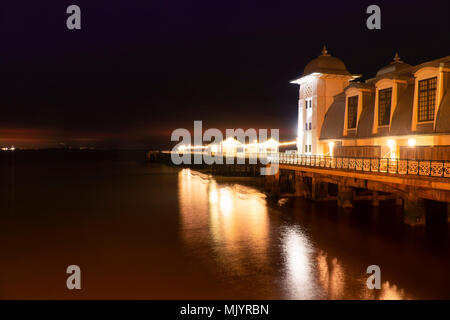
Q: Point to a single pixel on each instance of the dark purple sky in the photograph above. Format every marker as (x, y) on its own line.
(139, 69)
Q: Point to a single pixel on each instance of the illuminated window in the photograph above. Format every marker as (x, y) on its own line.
(352, 112)
(384, 107)
(427, 99)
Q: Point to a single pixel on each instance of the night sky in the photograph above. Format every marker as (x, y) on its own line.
(139, 69)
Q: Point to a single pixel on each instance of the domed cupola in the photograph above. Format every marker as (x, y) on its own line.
(396, 65)
(326, 63)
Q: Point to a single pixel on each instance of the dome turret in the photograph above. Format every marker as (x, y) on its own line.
(326, 63)
(396, 65)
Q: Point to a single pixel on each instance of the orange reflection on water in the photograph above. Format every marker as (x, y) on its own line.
(233, 217)
(331, 276)
(226, 227)
(387, 292)
(391, 292)
(193, 199)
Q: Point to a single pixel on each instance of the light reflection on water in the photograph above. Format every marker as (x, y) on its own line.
(233, 218)
(165, 234)
(331, 276)
(298, 256)
(246, 242)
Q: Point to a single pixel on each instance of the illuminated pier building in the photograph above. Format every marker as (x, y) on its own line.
(403, 112)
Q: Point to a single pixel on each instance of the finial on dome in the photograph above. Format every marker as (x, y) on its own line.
(397, 58)
(325, 51)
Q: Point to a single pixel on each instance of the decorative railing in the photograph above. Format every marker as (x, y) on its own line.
(432, 168)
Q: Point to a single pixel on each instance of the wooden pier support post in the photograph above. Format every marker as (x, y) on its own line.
(414, 213)
(345, 196)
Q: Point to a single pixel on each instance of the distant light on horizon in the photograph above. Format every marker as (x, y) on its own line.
(12, 148)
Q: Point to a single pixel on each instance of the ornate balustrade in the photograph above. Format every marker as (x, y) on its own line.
(431, 168)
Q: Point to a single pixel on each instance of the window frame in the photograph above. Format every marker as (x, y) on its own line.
(426, 110)
(354, 113)
(384, 112)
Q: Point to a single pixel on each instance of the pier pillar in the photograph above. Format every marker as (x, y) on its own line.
(375, 199)
(345, 196)
(319, 190)
(301, 186)
(273, 184)
(399, 201)
(414, 213)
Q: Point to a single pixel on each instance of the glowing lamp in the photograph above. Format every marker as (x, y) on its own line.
(412, 142)
(391, 143)
(331, 146)
(230, 142)
(271, 143)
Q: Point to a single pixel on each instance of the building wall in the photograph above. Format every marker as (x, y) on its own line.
(320, 90)
(358, 152)
(397, 139)
(425, 152)
(428, 146)
(307, 92)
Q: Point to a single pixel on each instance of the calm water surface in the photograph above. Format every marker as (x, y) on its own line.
(147, 231)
